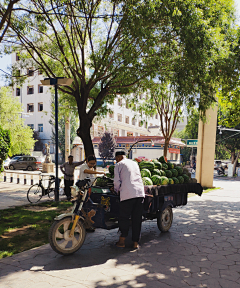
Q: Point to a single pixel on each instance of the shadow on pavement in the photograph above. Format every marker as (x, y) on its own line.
(202, 247)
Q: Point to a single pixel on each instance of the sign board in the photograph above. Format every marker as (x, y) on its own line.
(192, 142)
(175, 151)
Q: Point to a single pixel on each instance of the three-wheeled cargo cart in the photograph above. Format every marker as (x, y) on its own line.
(98, 207)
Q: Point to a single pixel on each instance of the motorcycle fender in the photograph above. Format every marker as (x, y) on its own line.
(61, 216)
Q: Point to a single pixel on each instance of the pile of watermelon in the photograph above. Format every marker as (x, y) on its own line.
(160, 172)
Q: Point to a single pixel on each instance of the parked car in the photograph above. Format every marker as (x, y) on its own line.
(6, 163)
(29, 163)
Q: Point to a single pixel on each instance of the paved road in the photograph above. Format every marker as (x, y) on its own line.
(202, 249)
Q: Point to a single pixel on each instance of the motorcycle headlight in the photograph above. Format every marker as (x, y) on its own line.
(74, 191)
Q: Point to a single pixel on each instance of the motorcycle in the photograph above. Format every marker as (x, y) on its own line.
(221, 170)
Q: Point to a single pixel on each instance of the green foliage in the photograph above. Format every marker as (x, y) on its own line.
(11, 119)
(186, 41)
(5, 143)
(107, 146)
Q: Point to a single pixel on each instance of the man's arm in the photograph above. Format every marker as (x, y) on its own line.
(61, 168)
(79, 163)
(117, 181)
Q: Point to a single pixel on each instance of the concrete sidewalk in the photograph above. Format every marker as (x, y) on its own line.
(202, 249)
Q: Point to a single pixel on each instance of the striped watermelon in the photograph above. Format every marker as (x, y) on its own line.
(156, 172)
(175, 180)
(158, 165)
(145, 173)
(147, 164)
(164, 180)
(170, 181)
(156, 179)
(147, 181)
(162, 173)
(162, 159)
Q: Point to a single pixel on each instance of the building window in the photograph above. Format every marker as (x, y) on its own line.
(18, 91)
(40, 89)
(171, 156)
(119, 102)
(133, 121)
(17, 57)
(116, 133)
(156, 116)
(111, 115)
(176, 157)
(120, 117)
(100, 130)
(129, 134)
(30, 107)
(127, 120)
(40, 127)
(31, 126)
(30, 90)
(40, 106)
(30, 72)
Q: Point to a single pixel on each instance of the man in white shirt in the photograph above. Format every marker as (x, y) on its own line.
(128, 181)
(67, 169)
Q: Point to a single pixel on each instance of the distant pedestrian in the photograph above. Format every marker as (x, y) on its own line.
(128, 181)
(68, 170)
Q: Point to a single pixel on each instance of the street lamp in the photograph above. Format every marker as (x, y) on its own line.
(56, 82)
(145, 140)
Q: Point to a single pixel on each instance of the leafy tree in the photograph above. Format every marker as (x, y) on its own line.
(6, 9)
(22, 141)
(106, 147)
(5, 143)
(111, 47)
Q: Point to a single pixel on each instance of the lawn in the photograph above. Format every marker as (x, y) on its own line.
(26, 227)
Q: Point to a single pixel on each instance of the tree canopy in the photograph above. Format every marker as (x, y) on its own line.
(11, 119)
(112, 47)
(5, 143)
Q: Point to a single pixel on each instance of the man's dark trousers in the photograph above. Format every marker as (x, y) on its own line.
(131, 207)
(67, 189)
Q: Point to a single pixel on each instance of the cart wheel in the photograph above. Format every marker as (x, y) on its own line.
(164, 219)
(60, 240)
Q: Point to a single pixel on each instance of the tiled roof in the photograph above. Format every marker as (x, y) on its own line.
(133, 139)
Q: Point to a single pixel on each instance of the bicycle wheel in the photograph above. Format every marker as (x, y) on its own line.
(51, 193)
(34, 193)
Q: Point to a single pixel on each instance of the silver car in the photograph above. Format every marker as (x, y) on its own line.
(29, 163)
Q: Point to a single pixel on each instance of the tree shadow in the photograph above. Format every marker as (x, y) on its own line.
(198, 250)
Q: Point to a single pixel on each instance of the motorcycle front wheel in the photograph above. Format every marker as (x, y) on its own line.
(60, 240)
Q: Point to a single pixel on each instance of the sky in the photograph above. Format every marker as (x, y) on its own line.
(5, 61)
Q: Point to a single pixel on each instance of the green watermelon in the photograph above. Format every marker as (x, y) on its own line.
(111, 169)
(147, 164)
(158, 165)
(164, 166)
(179, 169)
(162, 173)
(102, 182)
(180, 179)
(145, 173)
(170, 181)
(175, 180)
(168, 173)
(156, 172)
(154, 160)
(162, 159)
(156, 179)
(170, 165)
(109, 175)
(147, 181)
(185, 171)
(174, 172)
(164, 180)
(186, 178)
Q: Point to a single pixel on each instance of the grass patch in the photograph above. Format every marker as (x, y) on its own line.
(205, 190)
(23, 228)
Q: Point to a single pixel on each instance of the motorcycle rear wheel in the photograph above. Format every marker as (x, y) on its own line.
(60, 240)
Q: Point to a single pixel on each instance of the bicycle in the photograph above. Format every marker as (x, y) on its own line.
(37, 191)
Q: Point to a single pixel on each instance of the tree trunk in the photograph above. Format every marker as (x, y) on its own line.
(232, 157)
(235, 163)
(84, 133)
(166, 147)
